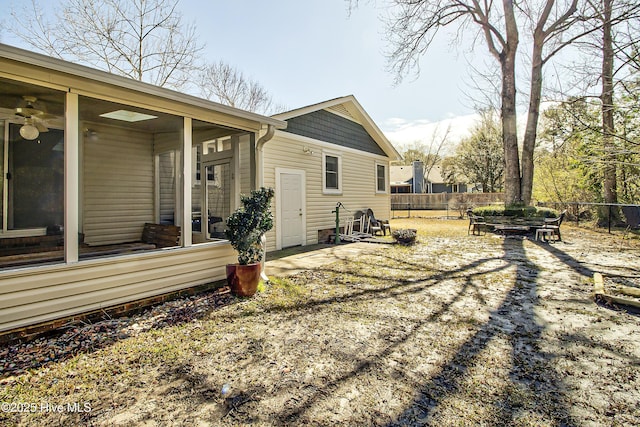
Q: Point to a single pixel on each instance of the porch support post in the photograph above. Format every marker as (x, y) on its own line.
(186, 182)
(71, 177)
(253, 165)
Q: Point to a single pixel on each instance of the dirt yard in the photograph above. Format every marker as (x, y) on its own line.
(456, 330)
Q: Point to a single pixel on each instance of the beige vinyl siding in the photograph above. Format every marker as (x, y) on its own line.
(167, 141)
(39, 294)
(167, 191)
(167, 145)
(358, 182)
(118, 185)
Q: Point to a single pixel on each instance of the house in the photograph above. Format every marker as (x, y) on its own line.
(96, 167)
(89, 158)
(329, 153)
(411, 179)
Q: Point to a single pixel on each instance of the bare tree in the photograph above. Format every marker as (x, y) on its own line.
(613, 13)
(225, 84)
(145, 40)
(414, 24)
(610, 65)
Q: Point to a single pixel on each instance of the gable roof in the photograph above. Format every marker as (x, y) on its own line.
(399, 174)
(349, 108)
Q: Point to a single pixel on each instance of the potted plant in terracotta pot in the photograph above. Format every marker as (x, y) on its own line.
(245, 228)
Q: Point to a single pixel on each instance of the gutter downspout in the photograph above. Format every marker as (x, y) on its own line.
(271, 130)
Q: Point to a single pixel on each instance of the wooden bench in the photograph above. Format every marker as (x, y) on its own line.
(30, 244)
(161, 235)
(18, 251)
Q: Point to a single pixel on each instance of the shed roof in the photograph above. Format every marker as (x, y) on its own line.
(46, 62)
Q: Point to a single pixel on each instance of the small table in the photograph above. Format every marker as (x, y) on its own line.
(544, 234)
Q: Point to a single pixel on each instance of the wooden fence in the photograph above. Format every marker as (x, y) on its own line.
(443, 201)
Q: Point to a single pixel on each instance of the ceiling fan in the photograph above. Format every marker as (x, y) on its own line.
(34, 117)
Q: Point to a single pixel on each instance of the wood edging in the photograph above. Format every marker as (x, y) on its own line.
(600, 294)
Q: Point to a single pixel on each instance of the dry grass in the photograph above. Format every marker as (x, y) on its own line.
(432, 228)
(456, 330)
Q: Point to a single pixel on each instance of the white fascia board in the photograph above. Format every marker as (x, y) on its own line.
(302, 140)
(312, 108)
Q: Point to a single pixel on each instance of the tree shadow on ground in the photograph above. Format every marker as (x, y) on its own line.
(531, 368)
(533, 372)
(295, 414)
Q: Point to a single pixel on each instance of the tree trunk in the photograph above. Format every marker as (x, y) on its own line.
(530, 135)
(608, 144)
(512, 181)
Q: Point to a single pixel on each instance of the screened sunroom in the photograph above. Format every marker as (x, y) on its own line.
(91, 162)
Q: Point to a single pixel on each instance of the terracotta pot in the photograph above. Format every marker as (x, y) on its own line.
(243, 279)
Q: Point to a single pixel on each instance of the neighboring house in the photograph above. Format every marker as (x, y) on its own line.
(88, 159)
(331, 152)
(410, 179)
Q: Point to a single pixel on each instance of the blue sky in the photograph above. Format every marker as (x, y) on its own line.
(304, 52)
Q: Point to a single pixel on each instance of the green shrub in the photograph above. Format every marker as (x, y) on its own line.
(516, 211)
(248, 223)
(547, 213)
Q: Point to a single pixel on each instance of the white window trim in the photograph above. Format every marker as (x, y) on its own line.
(386, 177)
(326, 190)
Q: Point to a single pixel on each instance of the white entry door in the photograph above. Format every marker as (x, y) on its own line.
(291, 209)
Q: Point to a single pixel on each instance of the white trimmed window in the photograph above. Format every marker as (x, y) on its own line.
(331, 173)
(381, 178)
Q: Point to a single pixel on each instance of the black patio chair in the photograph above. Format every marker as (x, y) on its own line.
(476, 223)
(632, 214)
(377, 225)
(554, 225)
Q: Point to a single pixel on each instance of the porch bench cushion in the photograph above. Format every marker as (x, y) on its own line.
(161, 235)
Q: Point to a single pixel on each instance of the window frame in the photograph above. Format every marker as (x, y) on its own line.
(338, 156)
(195, 167)
(377, 177)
